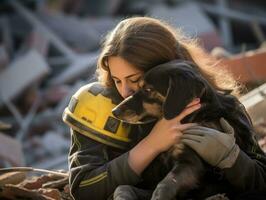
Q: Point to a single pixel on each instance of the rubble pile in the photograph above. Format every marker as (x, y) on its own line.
(17, 185)
(261, 131)
(255, 103)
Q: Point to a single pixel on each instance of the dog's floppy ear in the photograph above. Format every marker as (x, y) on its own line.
(181, 91)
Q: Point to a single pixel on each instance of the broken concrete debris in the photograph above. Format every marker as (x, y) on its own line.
(197, 26)
(31, 65)
(255, 103)
(11, 150)
(17, 184)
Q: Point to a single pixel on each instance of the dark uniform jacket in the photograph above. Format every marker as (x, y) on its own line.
(97, 169)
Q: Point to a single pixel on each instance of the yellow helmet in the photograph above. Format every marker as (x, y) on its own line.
(90, 113)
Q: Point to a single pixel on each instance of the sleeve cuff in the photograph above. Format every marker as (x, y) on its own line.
(122, 172)
(233, 173)
(230, 160)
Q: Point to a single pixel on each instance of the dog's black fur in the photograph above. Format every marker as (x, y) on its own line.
(165, 92)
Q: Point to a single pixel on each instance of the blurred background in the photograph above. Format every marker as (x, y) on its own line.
(49, 48)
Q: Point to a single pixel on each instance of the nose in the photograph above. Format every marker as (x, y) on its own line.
(126, 90)
(116, 112)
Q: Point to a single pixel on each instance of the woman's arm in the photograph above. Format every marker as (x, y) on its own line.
(248, 173)
(93, 175)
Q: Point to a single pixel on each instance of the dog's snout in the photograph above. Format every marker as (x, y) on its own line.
(116, 112)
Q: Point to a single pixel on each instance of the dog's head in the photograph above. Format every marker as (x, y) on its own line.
(164, 92)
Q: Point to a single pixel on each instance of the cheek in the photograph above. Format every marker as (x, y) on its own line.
(119, 88)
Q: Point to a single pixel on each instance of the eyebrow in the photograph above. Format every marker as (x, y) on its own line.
(129, 76)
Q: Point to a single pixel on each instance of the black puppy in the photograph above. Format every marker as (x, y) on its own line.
(164, 92)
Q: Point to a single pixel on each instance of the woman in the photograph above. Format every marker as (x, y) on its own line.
(136, 45)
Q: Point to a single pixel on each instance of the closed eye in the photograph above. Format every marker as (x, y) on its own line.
(135, 80)
(148, 90)
(117, 81)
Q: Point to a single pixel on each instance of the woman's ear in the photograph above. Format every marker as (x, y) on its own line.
(179, 95)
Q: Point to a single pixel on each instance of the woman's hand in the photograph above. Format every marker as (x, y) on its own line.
(216, 148)
(166, 133)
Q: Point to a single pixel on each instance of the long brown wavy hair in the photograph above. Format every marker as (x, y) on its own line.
(146, 42)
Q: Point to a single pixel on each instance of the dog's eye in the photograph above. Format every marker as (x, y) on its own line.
(147, 90)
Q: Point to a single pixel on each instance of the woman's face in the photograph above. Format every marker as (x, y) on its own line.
(125, 75)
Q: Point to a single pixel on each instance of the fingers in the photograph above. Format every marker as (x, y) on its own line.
(193, 132)
(194, 102)
(191, 143)
(226, 126)
(187, 111)
(182, 127)
(196, 138)
(201, 130)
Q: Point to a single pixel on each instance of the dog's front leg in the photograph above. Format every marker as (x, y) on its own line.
(177, 182)
(129, 192)
(183, 177)
(166, 189)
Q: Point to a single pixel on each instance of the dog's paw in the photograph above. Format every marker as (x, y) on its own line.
(163, 192)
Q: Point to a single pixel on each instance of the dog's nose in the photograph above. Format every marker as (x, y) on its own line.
(116, 112)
